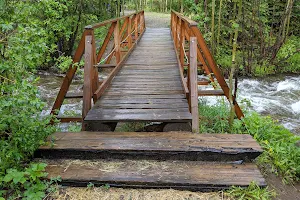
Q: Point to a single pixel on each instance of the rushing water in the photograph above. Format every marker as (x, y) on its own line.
(278, 96)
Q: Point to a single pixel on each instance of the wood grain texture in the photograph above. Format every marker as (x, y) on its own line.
(148, 86)
(146, 174)
(152, 145)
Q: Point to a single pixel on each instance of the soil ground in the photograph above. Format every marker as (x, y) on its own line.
(284, 192)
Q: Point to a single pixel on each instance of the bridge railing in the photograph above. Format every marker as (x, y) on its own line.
(122, 36)
(184, 31)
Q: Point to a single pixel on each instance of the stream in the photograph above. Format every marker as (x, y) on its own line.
(278, 96)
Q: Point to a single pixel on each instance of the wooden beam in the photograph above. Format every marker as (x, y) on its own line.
(94, 70)
(181, 46)
(69, 119)
(69, 75)
(210, 93)
(117, 42)
(113, 20)
(129, 39)
(183, 81)
(136, 27)
(193, 86)
(106, 65)
(105, 42)
(88, 65)
(215, 69)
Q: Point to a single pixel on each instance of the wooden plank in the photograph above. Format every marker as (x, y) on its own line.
(143, 92)
(106, 65)
(145, 87)
(95, 116)
(146, 174)
(140, 101)
(210, 93)
(154, 145)
(73, 95)
(64, 119)
(134, 107)
(152, 111)
(124, 97)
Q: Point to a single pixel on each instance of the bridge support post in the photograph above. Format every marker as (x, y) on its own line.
(193, 85)
(117, 42)
(129, 40)
(88, 68)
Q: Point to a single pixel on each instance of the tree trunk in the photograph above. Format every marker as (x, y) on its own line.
(233, 67)
(219, 26)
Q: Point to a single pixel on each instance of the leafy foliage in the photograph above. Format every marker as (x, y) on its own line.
(252, 192)
(267, 31)
(27, 184)
(281, 147)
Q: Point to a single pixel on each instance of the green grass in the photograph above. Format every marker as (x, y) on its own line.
(253, 191)
(281, 152)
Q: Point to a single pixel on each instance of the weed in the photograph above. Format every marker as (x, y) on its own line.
(279, 144)
(252, 192)
(27, 184)
(90, 185)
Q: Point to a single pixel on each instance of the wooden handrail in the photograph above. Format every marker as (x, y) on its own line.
(183, 29)
(133, 26)
(110, 21)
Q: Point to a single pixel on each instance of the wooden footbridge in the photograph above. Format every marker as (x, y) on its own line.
(153, 78)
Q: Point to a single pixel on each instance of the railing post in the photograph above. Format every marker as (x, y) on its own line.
(136, 28)
(129, 40)
(175, 30)
(144, 22)
(193, 85)
(181, 44)
(88, 68)
(117, 42)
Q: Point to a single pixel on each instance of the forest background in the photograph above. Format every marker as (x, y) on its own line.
(262, 36)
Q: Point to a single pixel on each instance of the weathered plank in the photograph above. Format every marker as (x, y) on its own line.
(152, 145)
(146, 174)
(148, 86)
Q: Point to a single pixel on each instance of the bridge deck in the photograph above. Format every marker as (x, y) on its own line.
(148, 87)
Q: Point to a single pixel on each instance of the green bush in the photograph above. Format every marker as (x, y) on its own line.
(280, 145)
(22, 128)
